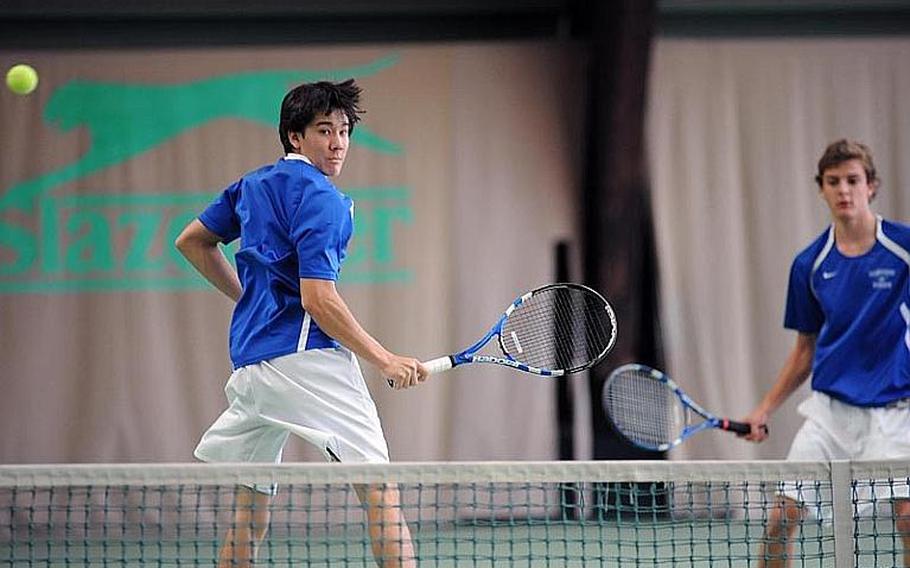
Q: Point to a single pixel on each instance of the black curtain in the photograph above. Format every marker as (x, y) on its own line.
(619, 256)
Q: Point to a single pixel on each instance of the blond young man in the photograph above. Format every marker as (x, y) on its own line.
(849, 302)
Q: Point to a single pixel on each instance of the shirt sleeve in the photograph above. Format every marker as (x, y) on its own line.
(316, 231)
(220, 216)
(803, 312)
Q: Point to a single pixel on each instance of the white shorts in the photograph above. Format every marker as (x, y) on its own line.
(835, 430)
(319, 395)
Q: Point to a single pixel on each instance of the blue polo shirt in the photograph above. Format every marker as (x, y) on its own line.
(292, 223)
(858, 308)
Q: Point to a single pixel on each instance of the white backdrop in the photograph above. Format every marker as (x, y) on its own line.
(735, 131)
(100, 363)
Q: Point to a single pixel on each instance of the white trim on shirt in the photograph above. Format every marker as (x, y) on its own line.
(296, 156)
(892, 246)
(304, 331)
(819, 259)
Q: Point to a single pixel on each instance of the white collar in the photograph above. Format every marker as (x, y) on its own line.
(296, 156)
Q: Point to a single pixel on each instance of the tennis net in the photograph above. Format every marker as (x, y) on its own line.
(459, 514)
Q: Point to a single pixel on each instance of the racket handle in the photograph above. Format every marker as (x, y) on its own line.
(433, 366)
(438, 365)
(738, 427)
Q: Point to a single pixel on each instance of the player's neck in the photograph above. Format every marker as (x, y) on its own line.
(855, 236)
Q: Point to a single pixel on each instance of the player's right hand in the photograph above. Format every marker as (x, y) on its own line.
(758, 419)
(404, 372)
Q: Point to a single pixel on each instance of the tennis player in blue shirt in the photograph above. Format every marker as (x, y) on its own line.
(294, 343)
(849, 302)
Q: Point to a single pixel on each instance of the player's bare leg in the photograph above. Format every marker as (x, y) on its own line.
(782, 521)
(251, 522)
(902, 523)
(389, 532)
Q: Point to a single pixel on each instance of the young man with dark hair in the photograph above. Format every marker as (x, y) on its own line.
(849, 302)
(294, 343)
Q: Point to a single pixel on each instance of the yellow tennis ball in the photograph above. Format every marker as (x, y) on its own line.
(21, 79)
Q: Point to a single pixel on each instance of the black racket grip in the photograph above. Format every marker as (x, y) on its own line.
(738, 427)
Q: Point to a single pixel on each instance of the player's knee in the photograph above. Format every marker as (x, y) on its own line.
(782, 520)
(902, 518)
(903, 527)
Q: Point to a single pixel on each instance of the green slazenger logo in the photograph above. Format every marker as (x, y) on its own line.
(104, 241)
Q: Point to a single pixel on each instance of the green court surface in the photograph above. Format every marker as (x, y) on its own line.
(520, 543)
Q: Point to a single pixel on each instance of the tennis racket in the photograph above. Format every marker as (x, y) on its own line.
(652, 412)
(554, 330)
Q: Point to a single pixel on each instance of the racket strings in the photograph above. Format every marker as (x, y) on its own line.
(644, 410)
(559, 328)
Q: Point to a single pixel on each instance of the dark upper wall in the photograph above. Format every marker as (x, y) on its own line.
(99, 23)
(783, 17)
(118, 23)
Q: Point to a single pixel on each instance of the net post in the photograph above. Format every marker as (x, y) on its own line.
(842, 505)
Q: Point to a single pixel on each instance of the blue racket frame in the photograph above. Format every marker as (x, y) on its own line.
(710, 420)
(469, 355)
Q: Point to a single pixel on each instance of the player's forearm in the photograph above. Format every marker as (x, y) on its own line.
(333, 316)
(218, 271)
(785, 386)
(210, 262)
(794, 373)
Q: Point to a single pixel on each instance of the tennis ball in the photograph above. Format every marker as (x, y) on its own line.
(21, 79)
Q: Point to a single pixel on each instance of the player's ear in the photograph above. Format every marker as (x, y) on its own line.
(296, 139)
